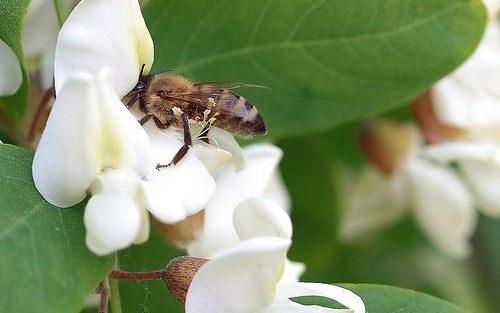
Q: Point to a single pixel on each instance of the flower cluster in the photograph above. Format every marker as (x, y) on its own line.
(93, 147)
(456, 122)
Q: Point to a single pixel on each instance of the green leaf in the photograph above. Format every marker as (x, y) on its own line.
(326, 62)
(12, 14)
(45, 265)
(386, 299)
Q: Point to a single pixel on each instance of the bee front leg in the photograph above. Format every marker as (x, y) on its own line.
(187, 143)
(132, 100)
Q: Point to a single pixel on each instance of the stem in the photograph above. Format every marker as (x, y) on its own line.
(119, 274)
(116, 304)
(104, 291)
(60, 11)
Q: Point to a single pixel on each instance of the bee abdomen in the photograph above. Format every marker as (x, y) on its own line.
(247, 126)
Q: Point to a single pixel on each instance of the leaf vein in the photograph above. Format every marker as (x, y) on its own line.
(258, 22)
(199, 25)
(301, 20)
(312, 43)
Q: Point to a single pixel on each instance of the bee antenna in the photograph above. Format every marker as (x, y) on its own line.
(163, 71)
(142, 69)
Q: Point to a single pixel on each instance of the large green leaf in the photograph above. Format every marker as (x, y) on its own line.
(45, 265)
(12, 14)
(386, 299)
(326, 61)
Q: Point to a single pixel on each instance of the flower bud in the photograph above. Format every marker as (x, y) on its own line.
(180, 273)
(433, 130)
(385, 144)
(183, 232)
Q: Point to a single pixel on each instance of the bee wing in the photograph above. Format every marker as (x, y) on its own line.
(217, 100)
(227, 85)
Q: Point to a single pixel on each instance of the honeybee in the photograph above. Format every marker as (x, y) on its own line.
(170, 99)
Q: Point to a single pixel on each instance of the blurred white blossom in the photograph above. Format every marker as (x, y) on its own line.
(11, 75)
(40, 30)
(468, 101)
(479, 164)
(407, 182)
(469, 97)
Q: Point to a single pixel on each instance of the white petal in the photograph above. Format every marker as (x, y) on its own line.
(454, 151)
(47, 69)
(241, 280)
(371, 202)
(469, 97)
(67, 158)
(278, 192)
(293, 271)
(125, 140)
(11, 76)
(187, 183)
(40, 28)
(104, 33)
(113, 217)
(232, 188)
(226, 141)
(480, 166)
(442, 206)
(212, 157)
(256, 217)
(493, 8)
(163, 202)
(344, 296)
(484, 179)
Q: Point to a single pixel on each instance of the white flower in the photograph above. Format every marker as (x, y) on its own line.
(256, 179)
(244, 279)
(91, 142)
(434, 194)
(11, 76)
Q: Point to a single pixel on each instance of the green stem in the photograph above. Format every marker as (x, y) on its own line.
(116, 304)
(60, 11)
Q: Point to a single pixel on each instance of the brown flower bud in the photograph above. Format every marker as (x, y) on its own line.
(179, 234)
(180, 273)
(433, 130)
(384, 143)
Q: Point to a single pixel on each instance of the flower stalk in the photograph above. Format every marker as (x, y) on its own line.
(60, 11)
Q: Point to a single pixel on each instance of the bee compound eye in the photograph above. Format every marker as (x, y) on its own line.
(139, 86)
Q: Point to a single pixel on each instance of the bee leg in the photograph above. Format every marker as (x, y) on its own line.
(132, 101)
(187, 143)
(146, 119)
(157, 121)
